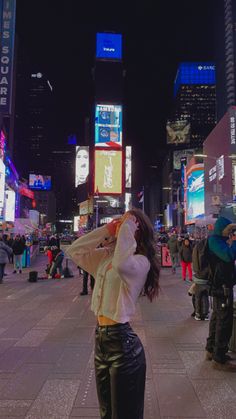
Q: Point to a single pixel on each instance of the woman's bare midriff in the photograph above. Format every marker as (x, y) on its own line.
(105, 321)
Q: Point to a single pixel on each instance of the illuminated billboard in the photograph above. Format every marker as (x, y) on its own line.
(108, 125)
(128, 166)
(10, 206)
(195, 206)
(76, 223)
(2, 183)
(178, 132)
(2, 145)
(81, 165)
(108, 172)
(203, 73)
(178, 155)
(128, 201)
(40, 182)
(109, 46)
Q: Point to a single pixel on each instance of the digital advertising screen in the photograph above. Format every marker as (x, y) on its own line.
(76, 223)
(81, 165)
(179, 154)
(195, 205)
(128, 166)
(203, 73)
(40, 182)
(108, 172)
(2, 145)
(10, 203)
(2, 183)
(109, 46)
(108, 126)
(178, 132)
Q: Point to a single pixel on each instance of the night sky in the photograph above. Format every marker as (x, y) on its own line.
(59, 37)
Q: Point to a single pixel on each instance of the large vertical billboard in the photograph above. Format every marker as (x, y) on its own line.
(195, 200)
(108, 125)
(8, 9)
(2, 183)
(109, 46)
(128, 166)
(81, 165)
(10, 206)
(108, 173)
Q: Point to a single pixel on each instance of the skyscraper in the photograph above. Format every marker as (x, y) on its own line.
(194, 111)
(34, 124)
(226, 57)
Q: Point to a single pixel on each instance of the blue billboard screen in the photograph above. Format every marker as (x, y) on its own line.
(109, 46)
(108, 126)
(40, 183)
(195, 207)
(195, 73)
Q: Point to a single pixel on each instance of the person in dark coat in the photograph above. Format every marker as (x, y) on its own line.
(18, 248)
(172, 245)
(185, 254)
(222, 256)
(5, 252)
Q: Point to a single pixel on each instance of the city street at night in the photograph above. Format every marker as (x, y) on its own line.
(46, 352)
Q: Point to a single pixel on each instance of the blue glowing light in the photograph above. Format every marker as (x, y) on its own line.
(109, 46)
(203, 73)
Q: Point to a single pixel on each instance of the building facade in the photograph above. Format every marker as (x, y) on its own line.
(226, 57)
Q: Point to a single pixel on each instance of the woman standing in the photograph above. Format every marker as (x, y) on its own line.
(121, 270)
(185, 253)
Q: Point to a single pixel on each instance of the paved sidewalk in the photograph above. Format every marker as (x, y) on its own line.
(46, 353)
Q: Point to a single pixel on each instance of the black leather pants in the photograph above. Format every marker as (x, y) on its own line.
(120, 368)
(220, 327)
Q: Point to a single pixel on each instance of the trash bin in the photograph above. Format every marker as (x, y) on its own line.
(232, 342)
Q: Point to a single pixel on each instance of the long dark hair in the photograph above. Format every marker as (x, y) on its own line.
(146, 246)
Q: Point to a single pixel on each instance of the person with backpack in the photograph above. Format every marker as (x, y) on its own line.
(185, 254)
(221, 256)
(172, 245)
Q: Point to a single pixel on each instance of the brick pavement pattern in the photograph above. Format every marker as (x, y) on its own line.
(46, 352)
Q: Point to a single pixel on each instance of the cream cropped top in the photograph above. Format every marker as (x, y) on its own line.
(119, 273)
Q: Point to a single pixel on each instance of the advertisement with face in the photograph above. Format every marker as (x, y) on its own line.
(2, 183)
(178, 132)
(81, 165)
(128, 166)
(108, 172)
(195, 205)
(10, 206)
(108, 126)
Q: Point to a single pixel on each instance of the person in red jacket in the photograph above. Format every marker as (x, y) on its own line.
(48, 253)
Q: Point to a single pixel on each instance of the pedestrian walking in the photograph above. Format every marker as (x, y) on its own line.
(222, 256)
(18, 248)
(185, 254)
(5, 252)
(85, 283)
(172, 245)
(121, 270)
